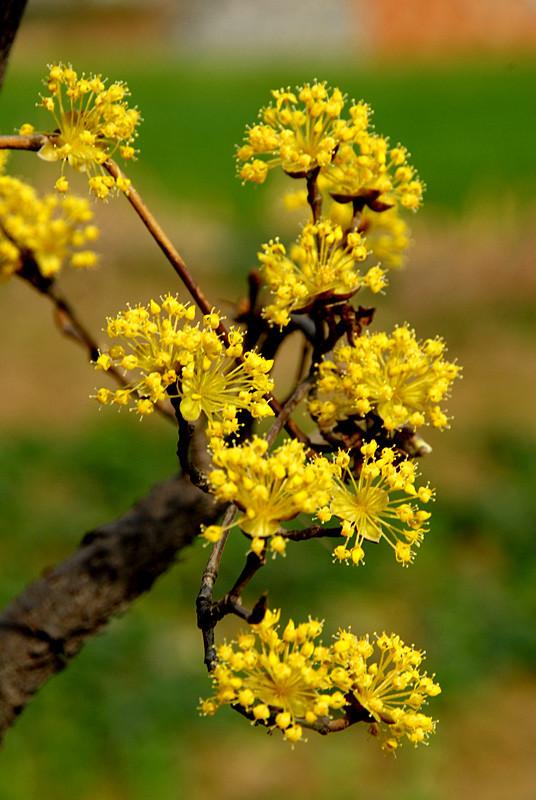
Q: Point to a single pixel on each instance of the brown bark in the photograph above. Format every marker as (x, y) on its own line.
(11, 12)
(45, 627)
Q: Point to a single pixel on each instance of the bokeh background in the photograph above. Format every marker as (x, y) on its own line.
(455, 82)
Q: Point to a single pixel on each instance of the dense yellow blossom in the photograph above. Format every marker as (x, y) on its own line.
(92, 122)
(379, 504)
(401, 379)
(387, 233)
(289, 681)
(384, 677)
(322, 265)
(270, 487)
(52, 230)
(280, 679)
(171, 355)
(299, 131)
(303, 130)
(367, 167)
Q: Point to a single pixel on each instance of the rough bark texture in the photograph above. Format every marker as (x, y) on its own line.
(43, 628)
(11, 12)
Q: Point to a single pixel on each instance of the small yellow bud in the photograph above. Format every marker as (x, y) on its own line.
(212, 533)
(283, 720)
(257, 546)
(261, 712)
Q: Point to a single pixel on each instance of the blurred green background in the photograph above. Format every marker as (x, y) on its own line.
(121, 722)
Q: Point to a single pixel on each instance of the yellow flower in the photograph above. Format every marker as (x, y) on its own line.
(379, 504)
(401, 379)
(300, 131)
(322, 265)
(279, 679)
(52, 229)
(171, 355)
(290, 680)
(385, 679)
(92, 122)
(387, 233)
(269, 488)
(367, 167)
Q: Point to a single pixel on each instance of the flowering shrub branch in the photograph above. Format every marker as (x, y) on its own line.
(351, 476)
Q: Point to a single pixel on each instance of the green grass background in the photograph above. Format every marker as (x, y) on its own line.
(121, 722)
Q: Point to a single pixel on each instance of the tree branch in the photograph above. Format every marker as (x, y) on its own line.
(47, 625)
(11, 12)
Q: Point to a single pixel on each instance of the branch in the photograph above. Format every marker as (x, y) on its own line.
(314, 532)
(36, 141)
(11, 12)
(47, 625)
(65, 317)
(164, 243)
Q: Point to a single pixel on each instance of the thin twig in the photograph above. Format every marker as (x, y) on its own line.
(204, 601)
(286, 410)
(36, 141)
(179, 265)
(33, 142)
(314, 198)
(253, 563)
(354, 713)
(164, 243)
(65, 316)
(313, 532)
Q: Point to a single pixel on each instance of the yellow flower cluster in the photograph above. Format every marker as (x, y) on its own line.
(397, 377)
(367, 167)
(280, 680)
(380, 504)
(270, 488)
(299, 131)
(92, 122)
(172, 355)
(290, 680)
(53, 230)
(321, 265)
(385, 679)
(387, 233)
(303, 130)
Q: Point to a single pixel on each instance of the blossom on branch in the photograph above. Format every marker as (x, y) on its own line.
(368, 169)
(280, 680)
(50, 230)
(299, 132)
(383, 676)
(92, 122)
(288, 680)
(169, 354)
(379, 504)
(402, 380)
(322, 265)
(387, 233)
(270, 488)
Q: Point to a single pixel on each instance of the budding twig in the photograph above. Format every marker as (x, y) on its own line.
(65, 316)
